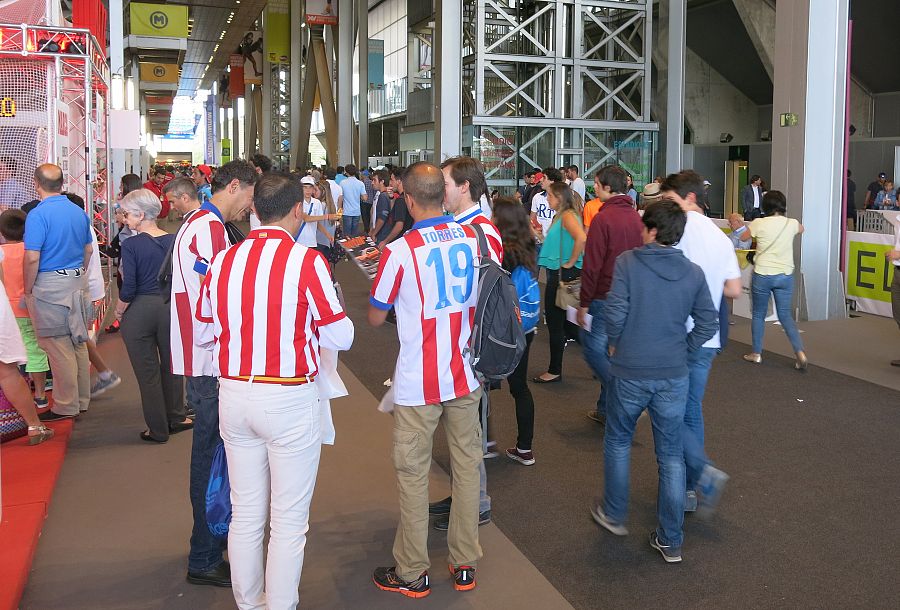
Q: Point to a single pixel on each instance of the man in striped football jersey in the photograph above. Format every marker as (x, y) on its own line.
(200, 238)
(269, 304)
(429, 276)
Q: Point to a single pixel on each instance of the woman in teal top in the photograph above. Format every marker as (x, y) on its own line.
(561, 255)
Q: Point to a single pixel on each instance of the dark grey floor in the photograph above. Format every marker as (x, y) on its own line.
(807, 519)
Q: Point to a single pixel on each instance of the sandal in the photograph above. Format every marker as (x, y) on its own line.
(39, 434)
(187, 424)
(145, 436)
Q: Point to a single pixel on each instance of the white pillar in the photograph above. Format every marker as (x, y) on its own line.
(808, 158)
(675, 88)
(235, 132)
(448, 79)
(344, 97)
(117, 166)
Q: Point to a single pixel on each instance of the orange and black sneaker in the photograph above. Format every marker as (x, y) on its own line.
(463, 577)
(386, 579)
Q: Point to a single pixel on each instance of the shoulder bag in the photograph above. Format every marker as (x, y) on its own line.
(568, 294)
(751, 256)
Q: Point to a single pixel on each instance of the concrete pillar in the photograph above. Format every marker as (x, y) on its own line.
(363, 100)
(344, 82)
(447, 79)
(759, 21)
(810, 67)
(676, 22)
(250, 127)
(297, 90)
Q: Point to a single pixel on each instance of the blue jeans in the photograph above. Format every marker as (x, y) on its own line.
(782, 287)
(595, 346)
(695, 459)
(665, 399)
(206, 549)
(350, 225)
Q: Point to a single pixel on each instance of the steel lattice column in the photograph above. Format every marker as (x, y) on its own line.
(280, 114)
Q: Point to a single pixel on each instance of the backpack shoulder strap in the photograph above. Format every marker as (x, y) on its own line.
(482, 240)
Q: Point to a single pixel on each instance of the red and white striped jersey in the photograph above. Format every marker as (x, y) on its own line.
(475, 215)
(429, 276)
(266, 298)
(200, 238)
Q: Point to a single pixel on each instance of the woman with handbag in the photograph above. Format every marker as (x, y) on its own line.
(773, 274)
(561, 256)
(145, 319)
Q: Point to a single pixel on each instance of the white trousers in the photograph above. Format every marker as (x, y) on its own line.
(272, 437)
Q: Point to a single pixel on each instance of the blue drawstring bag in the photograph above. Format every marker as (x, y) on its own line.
(218, 495)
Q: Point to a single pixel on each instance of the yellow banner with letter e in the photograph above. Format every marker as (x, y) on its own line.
(168, 20)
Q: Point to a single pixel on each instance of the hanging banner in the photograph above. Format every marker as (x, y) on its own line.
(278, 32)
(226, 150)
(251, 50)
(159, 73)
(211, 122)
(236, 76)
(376, 64)
(169, 20)
(869, 274)
(321, 12)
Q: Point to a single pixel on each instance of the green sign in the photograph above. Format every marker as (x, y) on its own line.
(226, 150)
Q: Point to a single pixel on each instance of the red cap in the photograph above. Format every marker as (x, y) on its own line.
(206, 171)
(538, 176)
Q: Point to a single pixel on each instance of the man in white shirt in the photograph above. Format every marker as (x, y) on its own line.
(541, 212)
(337, 193)
(707, 246)
(575, 181)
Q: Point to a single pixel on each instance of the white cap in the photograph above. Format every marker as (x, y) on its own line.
(707, 183)
(308, 180)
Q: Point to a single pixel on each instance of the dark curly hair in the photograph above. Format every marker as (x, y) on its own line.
(515, 231)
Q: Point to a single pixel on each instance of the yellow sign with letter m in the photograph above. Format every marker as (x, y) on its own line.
(169, 20)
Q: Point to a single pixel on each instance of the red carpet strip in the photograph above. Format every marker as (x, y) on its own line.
(28, 476)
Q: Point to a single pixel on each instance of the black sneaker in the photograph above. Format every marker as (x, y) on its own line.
(669, 553)
(463, 577)
(440, 508)
(386, 579)
(443, 524)
(51, 416)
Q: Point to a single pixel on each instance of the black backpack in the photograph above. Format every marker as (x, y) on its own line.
(497, 341)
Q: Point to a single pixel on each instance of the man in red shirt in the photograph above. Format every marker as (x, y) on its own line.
(616, 227)
(155, 184)
(269, 305)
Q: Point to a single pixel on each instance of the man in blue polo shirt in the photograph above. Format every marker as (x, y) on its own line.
(57, 250)
(354, 192)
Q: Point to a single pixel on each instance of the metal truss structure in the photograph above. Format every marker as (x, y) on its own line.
(554, 82)
(280, 114)
(73, 118)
